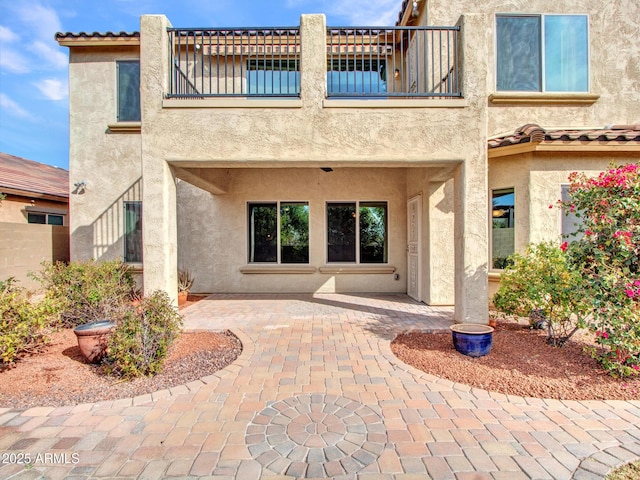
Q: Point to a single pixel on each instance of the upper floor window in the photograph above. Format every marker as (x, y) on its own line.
(291, 245)
(542, 53)
(273, 77)
(128, 91)
(356, 76)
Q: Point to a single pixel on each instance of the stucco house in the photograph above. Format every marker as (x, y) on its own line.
(34, 216)
(319, 158)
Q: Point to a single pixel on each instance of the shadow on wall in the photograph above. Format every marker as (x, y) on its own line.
(104, 238)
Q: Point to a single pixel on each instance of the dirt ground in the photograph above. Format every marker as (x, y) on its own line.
(520, 363)
(60, 376)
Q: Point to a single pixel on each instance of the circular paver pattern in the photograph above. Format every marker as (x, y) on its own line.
(316, 436)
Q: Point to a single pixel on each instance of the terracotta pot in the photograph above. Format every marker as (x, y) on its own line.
(182, 298)
(472, 339)
(92, 339)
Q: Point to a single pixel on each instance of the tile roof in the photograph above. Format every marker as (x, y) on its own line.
(28, 176)
(70, 35)
(535, 133)
(402, 9)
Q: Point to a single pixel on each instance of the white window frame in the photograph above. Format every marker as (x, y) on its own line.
(326, 232)
(543, 86)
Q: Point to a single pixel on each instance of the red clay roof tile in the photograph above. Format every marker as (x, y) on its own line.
(534, 133)
(18, 173)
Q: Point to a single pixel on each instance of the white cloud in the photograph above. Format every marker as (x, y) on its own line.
(7, 35)
(12, 107)
(14, 61)
(53, 88)
(49, 53)
(358, 12)
(44, 22)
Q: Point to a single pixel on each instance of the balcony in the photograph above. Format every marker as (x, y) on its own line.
(361, 62)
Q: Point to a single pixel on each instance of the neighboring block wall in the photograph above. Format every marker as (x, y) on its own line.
(23, 247)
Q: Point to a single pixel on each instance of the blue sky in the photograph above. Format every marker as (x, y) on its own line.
(33, 68)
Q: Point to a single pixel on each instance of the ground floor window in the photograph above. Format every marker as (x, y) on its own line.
(571, 223)
(357, 232)
(279, 232)
(45, 218)
(133, 232)
(503, 226)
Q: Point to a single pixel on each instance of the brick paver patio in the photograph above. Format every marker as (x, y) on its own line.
(317, 393)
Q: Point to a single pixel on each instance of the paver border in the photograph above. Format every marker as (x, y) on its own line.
(603, 462)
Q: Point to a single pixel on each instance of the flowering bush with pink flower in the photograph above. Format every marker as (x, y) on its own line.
(608, 257)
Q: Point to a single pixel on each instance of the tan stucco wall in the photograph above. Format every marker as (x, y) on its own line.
(614, 61)
(109, 162)
(437, 235)
(213, 232)
(537, 179)
(23, 247)
(310, 132)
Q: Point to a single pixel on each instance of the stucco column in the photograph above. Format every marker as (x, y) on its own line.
(160, 258)
(471, 207)
(313, 59)
(471, 242)
(440, 268)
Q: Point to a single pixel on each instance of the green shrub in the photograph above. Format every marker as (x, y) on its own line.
(542, 281)
(24, 325)
(88, 291)
(140, 342)
(8, 285)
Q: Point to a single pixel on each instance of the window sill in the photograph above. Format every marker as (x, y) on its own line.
(135, 267)
(495, 275)
(527, 98)
(357, 269)
(277, 269)
(125, 127)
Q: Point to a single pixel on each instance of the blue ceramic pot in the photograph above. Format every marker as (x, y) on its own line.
(472, 339)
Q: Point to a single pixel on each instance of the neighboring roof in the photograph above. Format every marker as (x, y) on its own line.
(402, 9)
(20, 175)
(532, 133)
(68, 39)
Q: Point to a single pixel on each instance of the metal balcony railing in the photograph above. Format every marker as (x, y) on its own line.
(239, 62)
(365, 62)
(393, 62)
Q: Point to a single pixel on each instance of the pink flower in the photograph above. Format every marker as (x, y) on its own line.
(605, 335)
(564, 246)
(630, 293)
(588, 232)
(635, 367)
